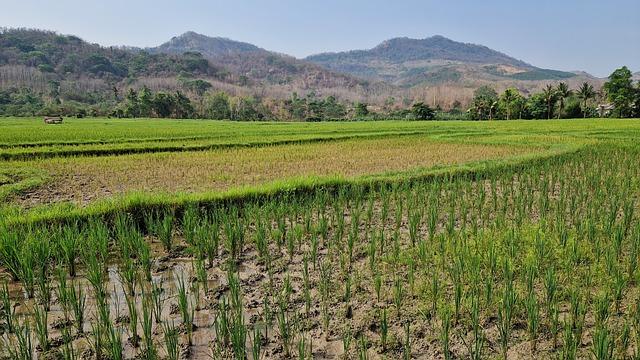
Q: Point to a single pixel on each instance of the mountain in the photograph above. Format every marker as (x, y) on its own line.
(259, 67)
(207, 46)
(435, 60)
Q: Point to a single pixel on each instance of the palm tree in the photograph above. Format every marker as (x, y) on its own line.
(562, 92)
(509, 96)
(585, 93)
(549, 94)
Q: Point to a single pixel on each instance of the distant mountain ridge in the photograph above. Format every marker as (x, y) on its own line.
(434, 60)
(259, 66)
(399, 70)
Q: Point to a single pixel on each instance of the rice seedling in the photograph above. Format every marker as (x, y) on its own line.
(363, 347)
(384, 329)
(41, 317)
(506, 309)
(21, 348)
(8, 309)
(147, 327)
(406, 352)
(78, 302)
(133, 319)
(445, 332)
(171, 340)
(346, 341)
(185, 307)
(533, 319)
(114, 343)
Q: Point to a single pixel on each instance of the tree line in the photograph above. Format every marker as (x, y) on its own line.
(559, 101)
(198, 99)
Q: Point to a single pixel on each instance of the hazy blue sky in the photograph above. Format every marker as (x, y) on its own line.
(592, 35)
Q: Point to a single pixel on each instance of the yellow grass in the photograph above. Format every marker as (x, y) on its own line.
(87, 178)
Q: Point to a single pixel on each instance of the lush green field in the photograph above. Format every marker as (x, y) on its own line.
(165, 239)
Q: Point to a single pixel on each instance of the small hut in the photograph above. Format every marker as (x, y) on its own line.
(53, 120)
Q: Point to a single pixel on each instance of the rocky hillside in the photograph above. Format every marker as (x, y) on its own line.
(435, 60)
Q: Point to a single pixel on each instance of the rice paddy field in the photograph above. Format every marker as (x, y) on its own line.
(165, 239)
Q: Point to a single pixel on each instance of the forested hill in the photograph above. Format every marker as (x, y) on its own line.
(33, 57)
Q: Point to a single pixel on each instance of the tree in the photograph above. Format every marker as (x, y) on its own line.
(361, 110)
(484, 101)
(549, 94)
(182, 108)
(217, 106)
(163, 104)
(132, 107)
(422, 111)
(508, 100)
(636, 107)
(145, 102)
(620, 91)
(562, 93)
(585, 93)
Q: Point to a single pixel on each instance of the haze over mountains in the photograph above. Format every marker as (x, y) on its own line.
(414, 69)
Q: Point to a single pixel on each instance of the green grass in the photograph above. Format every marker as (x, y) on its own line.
(31, 139)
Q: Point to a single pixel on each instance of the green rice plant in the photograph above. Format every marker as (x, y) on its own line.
(69, 247)
(618, 286)
(145, 259)
(171, 340)
(346, 341)
(8, 309)
(190, 221)
(306, 286)
(377, 284)
(415, 218)
(147, 326)
(533, 319)
(97, 238)
(384, 329)
(44, 291)
(114, 343)
(63, 293)
(602, 304)
(256, 344)
(10, 252)
(445, 331)
(129, 276)
(285, 329)
(201, 274)
(398, 294)
(603, 343)
(506, 309)
(185, 307)
(164, 230)
(78, 301)
(41, 317)
(314, 250)
(234, 230)
(303, 350)
(435, 292)
(363, 346)
(478, 339)
(68, 352)
(21, 348)
(26, 272)
(157, 299)
(406, 352)
(222, 324)
(625, 340)
(133, 319)
(456, 276)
